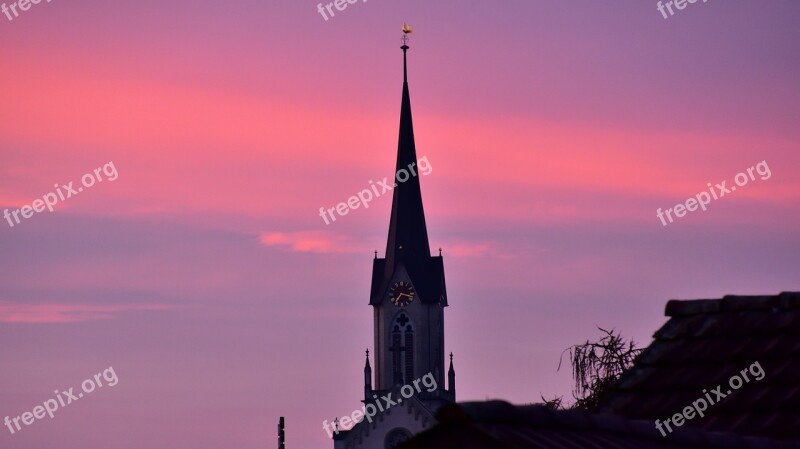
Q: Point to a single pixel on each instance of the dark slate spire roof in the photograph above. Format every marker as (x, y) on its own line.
(407, 244)
(408, 234)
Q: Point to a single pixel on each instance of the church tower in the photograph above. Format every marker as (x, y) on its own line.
(408, 294)
(408, 297)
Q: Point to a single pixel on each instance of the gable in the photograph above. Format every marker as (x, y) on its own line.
(410, 415)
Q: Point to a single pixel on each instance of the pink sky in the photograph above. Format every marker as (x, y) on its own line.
(204, 275)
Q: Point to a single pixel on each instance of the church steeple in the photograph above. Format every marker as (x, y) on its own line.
(408, 290)
(408, 299)
(408, 234)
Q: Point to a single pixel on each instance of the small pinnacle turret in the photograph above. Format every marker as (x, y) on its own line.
(367, 378)
(451, 377)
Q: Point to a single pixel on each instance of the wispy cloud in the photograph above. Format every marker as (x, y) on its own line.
(67, 313)
(494, 249)
(310, 242)
(469, 249)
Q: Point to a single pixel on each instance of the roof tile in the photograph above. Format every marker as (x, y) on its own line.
(707, 342)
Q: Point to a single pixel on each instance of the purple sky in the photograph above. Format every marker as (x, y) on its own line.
(205, 277)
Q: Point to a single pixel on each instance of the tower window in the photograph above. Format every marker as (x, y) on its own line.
(402, 349)
(397, 349)
(409, 351)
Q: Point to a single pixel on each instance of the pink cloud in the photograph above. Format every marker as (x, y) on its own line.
(310, 242)
(67, 313)
(469, 249)
(486, 249)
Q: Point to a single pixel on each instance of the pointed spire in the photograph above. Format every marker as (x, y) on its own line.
(408, 233)
(367, 378)
(451, 378)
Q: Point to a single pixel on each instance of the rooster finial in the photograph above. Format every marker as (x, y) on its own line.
(406, 31)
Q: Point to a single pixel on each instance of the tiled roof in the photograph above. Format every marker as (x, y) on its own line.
(500, 425)
(703, 345)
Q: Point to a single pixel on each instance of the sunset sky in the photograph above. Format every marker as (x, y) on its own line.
(204, 275)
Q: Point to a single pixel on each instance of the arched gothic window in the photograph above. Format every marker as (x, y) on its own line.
(403, 349)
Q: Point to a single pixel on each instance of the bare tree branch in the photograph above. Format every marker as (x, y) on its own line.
(596, 366)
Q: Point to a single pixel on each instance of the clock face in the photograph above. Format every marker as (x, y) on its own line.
(401, 294)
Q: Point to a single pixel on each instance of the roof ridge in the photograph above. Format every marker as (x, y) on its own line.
(541, 416)
(733, 303)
